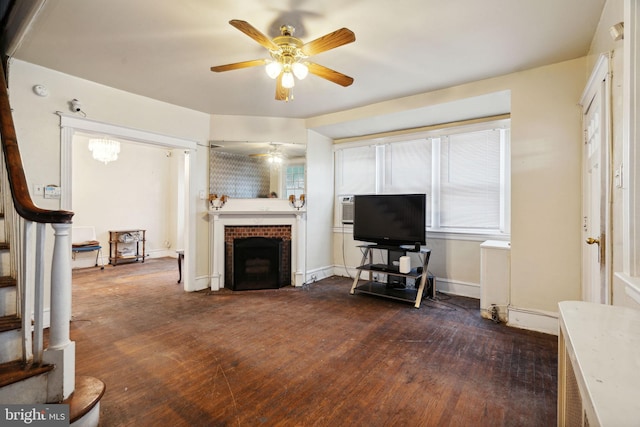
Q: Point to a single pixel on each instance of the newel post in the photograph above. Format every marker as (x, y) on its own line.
(61, 350)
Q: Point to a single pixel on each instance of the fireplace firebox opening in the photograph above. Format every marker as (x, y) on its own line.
(258, 263)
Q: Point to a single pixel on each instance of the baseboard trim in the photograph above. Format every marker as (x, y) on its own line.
(522, 318)
(447, 286)
(320, 273)
(533, 320)
(201, 283)
(455, 287)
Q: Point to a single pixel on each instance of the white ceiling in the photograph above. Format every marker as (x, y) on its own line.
(163, 49)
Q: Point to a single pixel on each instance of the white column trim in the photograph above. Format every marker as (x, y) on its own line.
(631, 177)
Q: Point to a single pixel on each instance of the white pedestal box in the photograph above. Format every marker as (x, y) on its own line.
(495, 279)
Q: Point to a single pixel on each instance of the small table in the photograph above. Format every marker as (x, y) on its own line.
(180, 253)
(124, 246)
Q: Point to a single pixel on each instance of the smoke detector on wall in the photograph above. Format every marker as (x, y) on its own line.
(41, 90)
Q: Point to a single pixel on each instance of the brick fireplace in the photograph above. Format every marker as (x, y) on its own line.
(271, 218)
(255, 242)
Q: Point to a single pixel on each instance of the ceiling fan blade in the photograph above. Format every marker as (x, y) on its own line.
(238, 65)
(252, 32)
(329, 74)
(282, 93)
(329, 41)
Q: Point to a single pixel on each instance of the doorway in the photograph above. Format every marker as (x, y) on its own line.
(596, 258)
(76, 132)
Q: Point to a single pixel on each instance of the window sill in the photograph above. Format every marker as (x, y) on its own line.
(443, 235)
(631, 285)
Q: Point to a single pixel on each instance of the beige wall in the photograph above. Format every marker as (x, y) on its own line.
(257, 129)
(545, 183)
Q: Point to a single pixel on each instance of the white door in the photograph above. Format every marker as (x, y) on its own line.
(595, 286)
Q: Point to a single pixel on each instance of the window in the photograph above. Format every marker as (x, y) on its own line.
(356, 170)
(464, 172)
(294, 181)
(470, 180)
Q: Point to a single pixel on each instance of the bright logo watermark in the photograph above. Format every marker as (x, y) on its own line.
(53, 415)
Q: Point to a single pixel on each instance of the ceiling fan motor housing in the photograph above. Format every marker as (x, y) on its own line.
(289, 49)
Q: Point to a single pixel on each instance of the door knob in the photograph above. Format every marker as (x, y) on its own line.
(591, 241)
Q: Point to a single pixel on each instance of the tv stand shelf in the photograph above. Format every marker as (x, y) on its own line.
(387, 290)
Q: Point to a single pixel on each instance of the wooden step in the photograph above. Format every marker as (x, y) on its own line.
(87, 394)
(10, 323)
(12, 372)
(7, 281)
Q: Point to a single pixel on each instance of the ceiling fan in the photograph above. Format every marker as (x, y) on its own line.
(274, 155)
(289, 57)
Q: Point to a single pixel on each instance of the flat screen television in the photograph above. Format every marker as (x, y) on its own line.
(390, 219)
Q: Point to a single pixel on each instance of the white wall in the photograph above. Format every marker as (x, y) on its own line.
(134, 192)
(38, 132)
(257, 129)
(320, 197)
(545, 185)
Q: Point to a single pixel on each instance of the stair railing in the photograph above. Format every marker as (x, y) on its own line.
(25, 230)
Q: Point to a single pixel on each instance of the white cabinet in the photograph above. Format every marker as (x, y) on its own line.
(598, 360)
(495, 279)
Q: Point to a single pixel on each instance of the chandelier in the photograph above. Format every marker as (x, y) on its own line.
(104, 150)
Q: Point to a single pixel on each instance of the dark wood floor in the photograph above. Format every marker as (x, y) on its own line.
(311, 356)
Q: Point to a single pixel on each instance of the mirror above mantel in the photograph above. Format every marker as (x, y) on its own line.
(252, 169)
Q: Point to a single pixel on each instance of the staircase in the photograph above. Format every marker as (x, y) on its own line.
(31, 373)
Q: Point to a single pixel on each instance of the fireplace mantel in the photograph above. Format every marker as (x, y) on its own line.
(247, 212)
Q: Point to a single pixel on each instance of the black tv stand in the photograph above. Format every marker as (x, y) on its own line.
(393, 288)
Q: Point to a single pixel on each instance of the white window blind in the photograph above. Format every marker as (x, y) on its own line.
(356, 170)
(408, 169)
(470, 180)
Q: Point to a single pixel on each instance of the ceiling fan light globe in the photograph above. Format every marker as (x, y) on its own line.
(288, 80)
(273, 69)
(300, 70)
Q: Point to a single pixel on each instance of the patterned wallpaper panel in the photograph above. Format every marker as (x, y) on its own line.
(238, 176)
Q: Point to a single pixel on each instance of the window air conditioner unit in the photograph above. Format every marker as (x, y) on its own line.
(346, 202)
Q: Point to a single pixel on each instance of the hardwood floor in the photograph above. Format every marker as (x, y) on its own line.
(311, 356)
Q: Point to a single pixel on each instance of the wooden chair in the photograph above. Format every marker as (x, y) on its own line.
(84, 240)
